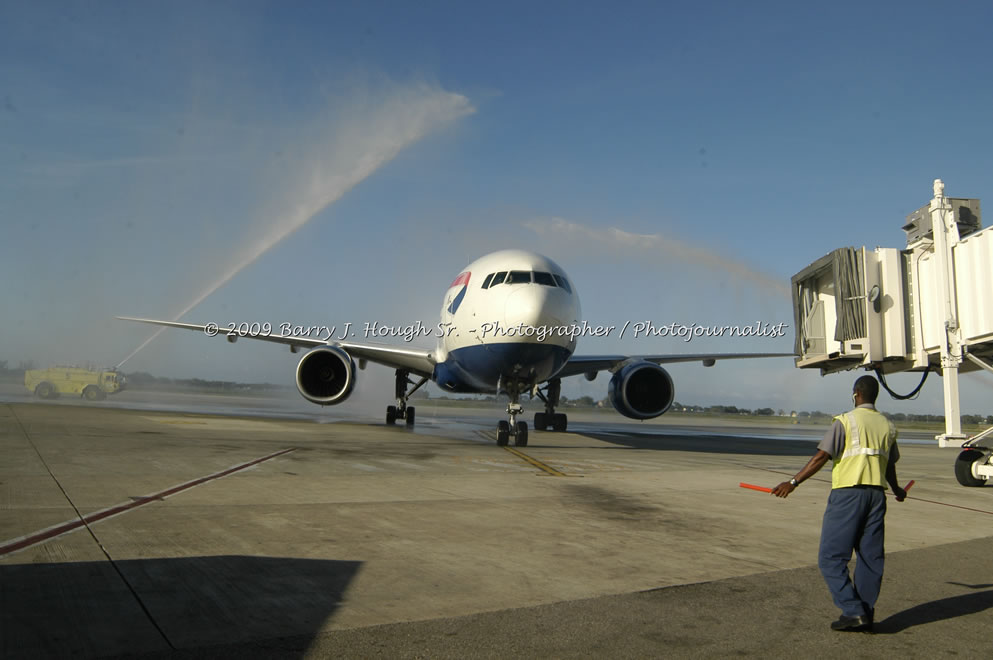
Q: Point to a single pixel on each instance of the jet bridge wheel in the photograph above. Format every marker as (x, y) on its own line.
(963, 467)
(503, 433)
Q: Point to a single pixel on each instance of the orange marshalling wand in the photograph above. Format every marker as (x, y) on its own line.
(905, 488)
(763, 489)
(754, 487)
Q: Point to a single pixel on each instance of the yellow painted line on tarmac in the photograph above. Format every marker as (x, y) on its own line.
(535, 462)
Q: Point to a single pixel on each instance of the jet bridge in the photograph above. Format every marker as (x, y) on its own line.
(925, 308)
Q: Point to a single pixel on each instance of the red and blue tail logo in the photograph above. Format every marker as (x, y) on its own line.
(461, 281)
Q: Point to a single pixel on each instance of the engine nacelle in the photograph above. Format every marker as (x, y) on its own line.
(326, 375)
(641, 390)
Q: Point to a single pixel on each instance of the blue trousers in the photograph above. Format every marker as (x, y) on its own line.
(853, 520)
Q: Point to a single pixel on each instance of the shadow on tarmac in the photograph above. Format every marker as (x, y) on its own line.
(937, 610)
(87, 609)
(725, 444)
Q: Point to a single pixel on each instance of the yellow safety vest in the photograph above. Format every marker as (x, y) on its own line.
(869, 436)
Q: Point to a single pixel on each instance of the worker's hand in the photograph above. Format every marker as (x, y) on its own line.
(900, 493)
(783, 489)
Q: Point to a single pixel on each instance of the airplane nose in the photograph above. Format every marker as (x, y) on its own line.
(534, 305)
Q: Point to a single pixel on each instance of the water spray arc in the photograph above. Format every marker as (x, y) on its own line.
(358, 149)
(629, 243)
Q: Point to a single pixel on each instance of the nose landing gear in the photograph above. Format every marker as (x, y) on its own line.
(506, 429)
(512, 427)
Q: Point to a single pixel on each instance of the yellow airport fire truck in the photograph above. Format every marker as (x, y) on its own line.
(91, 384)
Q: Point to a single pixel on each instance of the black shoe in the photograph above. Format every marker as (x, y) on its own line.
(853, 624)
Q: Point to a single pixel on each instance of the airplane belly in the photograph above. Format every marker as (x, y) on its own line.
(480, 368)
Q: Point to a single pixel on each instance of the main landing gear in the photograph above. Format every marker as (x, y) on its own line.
(550, 418)
(402, 410)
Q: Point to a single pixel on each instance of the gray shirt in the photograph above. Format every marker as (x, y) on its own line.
(833, 442)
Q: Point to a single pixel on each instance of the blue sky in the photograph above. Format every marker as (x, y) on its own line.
(149, 147)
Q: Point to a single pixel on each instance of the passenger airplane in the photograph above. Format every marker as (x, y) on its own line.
(509, 324)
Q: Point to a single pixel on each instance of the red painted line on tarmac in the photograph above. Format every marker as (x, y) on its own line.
(954, 506)
(23, 542)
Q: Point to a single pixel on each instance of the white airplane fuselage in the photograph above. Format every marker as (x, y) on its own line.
(505, 323)
(509, 324)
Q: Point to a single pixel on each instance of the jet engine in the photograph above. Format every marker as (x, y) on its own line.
(326, 375)
(641, 390)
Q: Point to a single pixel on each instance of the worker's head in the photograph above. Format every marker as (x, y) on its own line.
(865, 390)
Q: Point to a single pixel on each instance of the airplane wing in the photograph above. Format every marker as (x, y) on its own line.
(416, 360)
(584, 364)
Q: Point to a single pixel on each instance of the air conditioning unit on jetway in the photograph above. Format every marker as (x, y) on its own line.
(850, 309)
(928, 306)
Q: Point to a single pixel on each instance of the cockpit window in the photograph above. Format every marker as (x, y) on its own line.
(486, 282)
(563, 282)
(544, 278)
(498, 278)
(519, 277)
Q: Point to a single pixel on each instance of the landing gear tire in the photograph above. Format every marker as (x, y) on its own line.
(549, 418)
(540, 421)
(521, 437)
(503, 433)
(391, 415)
(963, 467)
(410, 417)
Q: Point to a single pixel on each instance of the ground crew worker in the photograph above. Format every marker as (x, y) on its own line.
(862, 443)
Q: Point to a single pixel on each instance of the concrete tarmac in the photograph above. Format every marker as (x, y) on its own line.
(218, 536)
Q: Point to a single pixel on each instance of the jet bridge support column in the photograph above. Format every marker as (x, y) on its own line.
(946, 235)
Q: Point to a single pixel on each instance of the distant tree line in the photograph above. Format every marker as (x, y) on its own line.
(143, 379)
(966, 419)
(817, 414)
(735, 410)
